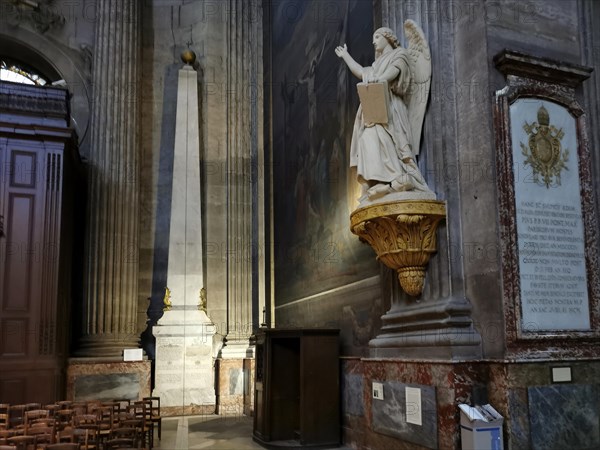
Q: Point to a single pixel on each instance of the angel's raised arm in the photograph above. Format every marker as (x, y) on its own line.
(355, 68)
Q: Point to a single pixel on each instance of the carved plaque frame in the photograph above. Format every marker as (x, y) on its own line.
(548, 80)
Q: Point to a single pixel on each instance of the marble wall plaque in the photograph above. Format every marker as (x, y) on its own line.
(390, 415)
(550, 233)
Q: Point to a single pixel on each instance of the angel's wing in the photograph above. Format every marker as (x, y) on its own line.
(420, 67)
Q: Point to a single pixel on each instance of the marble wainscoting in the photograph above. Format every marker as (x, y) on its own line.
(373, 423)
(235, 386)
(93, 379)
(249, 374)
(231, 384)
(542, 415)
(539, 414)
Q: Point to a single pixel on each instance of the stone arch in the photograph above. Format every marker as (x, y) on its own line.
(55, 62)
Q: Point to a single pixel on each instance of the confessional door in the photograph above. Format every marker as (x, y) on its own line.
(297, 389)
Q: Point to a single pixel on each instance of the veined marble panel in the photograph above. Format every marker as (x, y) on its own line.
(352, 395)
(107, 387)
(93, 379)
(390, 414)
(564, 416)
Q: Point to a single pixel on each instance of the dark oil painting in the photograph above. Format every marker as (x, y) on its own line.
(314, 105)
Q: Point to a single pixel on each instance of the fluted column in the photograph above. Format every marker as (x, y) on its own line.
(111, 287)
(244, 122)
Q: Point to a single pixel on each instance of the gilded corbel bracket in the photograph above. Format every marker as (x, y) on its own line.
(403, 234)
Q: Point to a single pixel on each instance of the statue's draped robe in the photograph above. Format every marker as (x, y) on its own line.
(377, 150)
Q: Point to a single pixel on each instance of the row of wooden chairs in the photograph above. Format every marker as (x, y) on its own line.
(91, 425)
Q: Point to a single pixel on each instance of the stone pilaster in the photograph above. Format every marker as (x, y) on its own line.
(441, 320)
(111, 272)
(244, 175)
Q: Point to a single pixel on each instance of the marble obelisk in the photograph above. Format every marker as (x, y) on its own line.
(184, 334)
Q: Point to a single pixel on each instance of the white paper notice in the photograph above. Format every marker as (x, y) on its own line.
(413, 406)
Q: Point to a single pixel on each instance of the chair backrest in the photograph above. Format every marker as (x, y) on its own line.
(34, 414)
(85, 421)
(86, 437)
(122, 437)
(52, 408)
(64, 404)
(124, 433)
(80, 407)
(4, 416)
(16, 415)
(143, 409)
(43, 435)
(123, 403)
(30, 406)
(64, 418)
(118, 443)
(62, 446)
(155, 402)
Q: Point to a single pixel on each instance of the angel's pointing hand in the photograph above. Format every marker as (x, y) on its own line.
(341, 50)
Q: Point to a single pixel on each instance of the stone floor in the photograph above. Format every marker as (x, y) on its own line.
(207, 432)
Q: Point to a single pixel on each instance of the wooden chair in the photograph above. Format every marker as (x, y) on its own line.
(106, 422)
(85, 421)
(87, 438)
(122, 437)
(64, 404)
(143, 411)
(64, 418)
(4, 416)
(79, 407)
(52, 408)
(5, 434)
(92, 405)
(43, 435)
(118, 443)
(155, 412)
(34, 415)
(123, 404)
(16, 416)
(31, 406)
(135, 425)
(62, 446)
(21, 442)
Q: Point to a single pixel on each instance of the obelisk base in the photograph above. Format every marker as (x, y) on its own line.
(184, 361)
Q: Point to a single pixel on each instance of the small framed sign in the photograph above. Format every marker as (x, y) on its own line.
(133, 354)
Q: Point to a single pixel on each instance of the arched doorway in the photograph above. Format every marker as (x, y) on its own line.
(39, 179)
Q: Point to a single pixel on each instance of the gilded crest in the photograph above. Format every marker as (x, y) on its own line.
(545, 154)
(167, 305)
(202, 300)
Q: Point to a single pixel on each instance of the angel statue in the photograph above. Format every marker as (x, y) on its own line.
(384, 152)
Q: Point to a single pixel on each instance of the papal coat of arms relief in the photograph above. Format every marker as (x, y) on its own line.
(545, 154)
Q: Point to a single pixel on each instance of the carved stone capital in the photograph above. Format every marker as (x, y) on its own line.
(403, 234)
